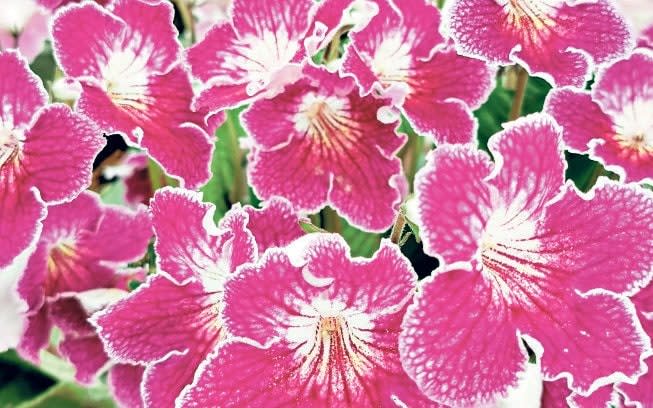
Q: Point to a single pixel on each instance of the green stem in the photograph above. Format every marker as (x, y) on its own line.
(239, 187)
(398, 228)
(520, 92)
(331, 220)
(187, 18)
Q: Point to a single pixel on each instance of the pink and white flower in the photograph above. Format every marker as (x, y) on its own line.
(259, 50)
(46, 154)
(401, 53)
(557, 40)
(133, 170)
(23, 26)
(194, 259)
(208, 13)
(82, 247)
(319, 143)
(313, 327)
(126, 58)
(526, 260)
(613, 122)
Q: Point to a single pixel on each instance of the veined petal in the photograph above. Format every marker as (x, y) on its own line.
(274, 225)
(124, 381)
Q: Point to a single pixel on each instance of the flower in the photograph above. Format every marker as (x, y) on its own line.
(207, 13)
(556, 40)
(259, 50)
(312, 327)
(82, 247)
(126, 58)
(614, 123)
(526, 261)
(46, 154)
(320, 143)
(194, 259)
(23, 26)
(401, 51)
(133, 170)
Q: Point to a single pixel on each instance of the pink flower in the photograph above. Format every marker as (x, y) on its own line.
(55, 4)
(614, 123)
(127, 61)
(646, 38)
(24, 26)
(46, 154)
(133, 170)
(556, 394)
(83, 246)
(258, 51)
(314, 328)
(194, 259)
(401, 52)
(526, 259)
(208, 13)
(556, 40)
(319, 143)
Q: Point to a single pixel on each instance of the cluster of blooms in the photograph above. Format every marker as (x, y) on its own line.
(252, 311)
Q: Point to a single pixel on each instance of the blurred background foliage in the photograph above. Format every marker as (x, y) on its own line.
(51, 384)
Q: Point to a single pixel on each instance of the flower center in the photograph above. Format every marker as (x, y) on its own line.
(634, 128)
(392, 59)
(526, 14)
(126, 78)
(61, 266)
(10, 145)
(320, 116)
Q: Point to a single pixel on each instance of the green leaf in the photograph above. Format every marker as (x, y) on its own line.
(224, 164)
(361, 243)
(71, 395)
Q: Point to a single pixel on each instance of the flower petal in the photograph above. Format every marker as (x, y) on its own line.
(21, 215)
(163, 328)
(454, 202)
(581, 118)
(274, 225)
(468, 353)
(124, 380)
(23, 93)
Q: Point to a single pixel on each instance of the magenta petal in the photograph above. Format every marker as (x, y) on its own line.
(581, 119)
(194, 248)
(274, 225)
(445, 122)
(528, 154)
(254, 53)
(163, 328)
(639, 394)
(575, 330)
(21, 213)
(22, 93)
(153, 33)
(614, 254)
(128, 232)
(86, 354)
(83, 38)
(467, 353)
(325, 145)
(557, 41)
(455, 172)
(555, 393)
(36, 335)
(59, 152)
(164, 381)
(125, 383)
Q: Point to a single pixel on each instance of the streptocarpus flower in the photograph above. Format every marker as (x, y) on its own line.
(320, 143)
(46, 149)
(526, 260)
(23, 26)
(82, 246)
(313, 327)
(646, 39)
(614, 123)
(401, 52)
(557, 40)
(132, 81)
(55, 4)
(257, 52)
(133, 170)
(556, 394)
(195, 259)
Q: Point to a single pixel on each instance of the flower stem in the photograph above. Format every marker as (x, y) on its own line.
(187, 18)
(239, 187)
(520, 92)
(398, 228)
